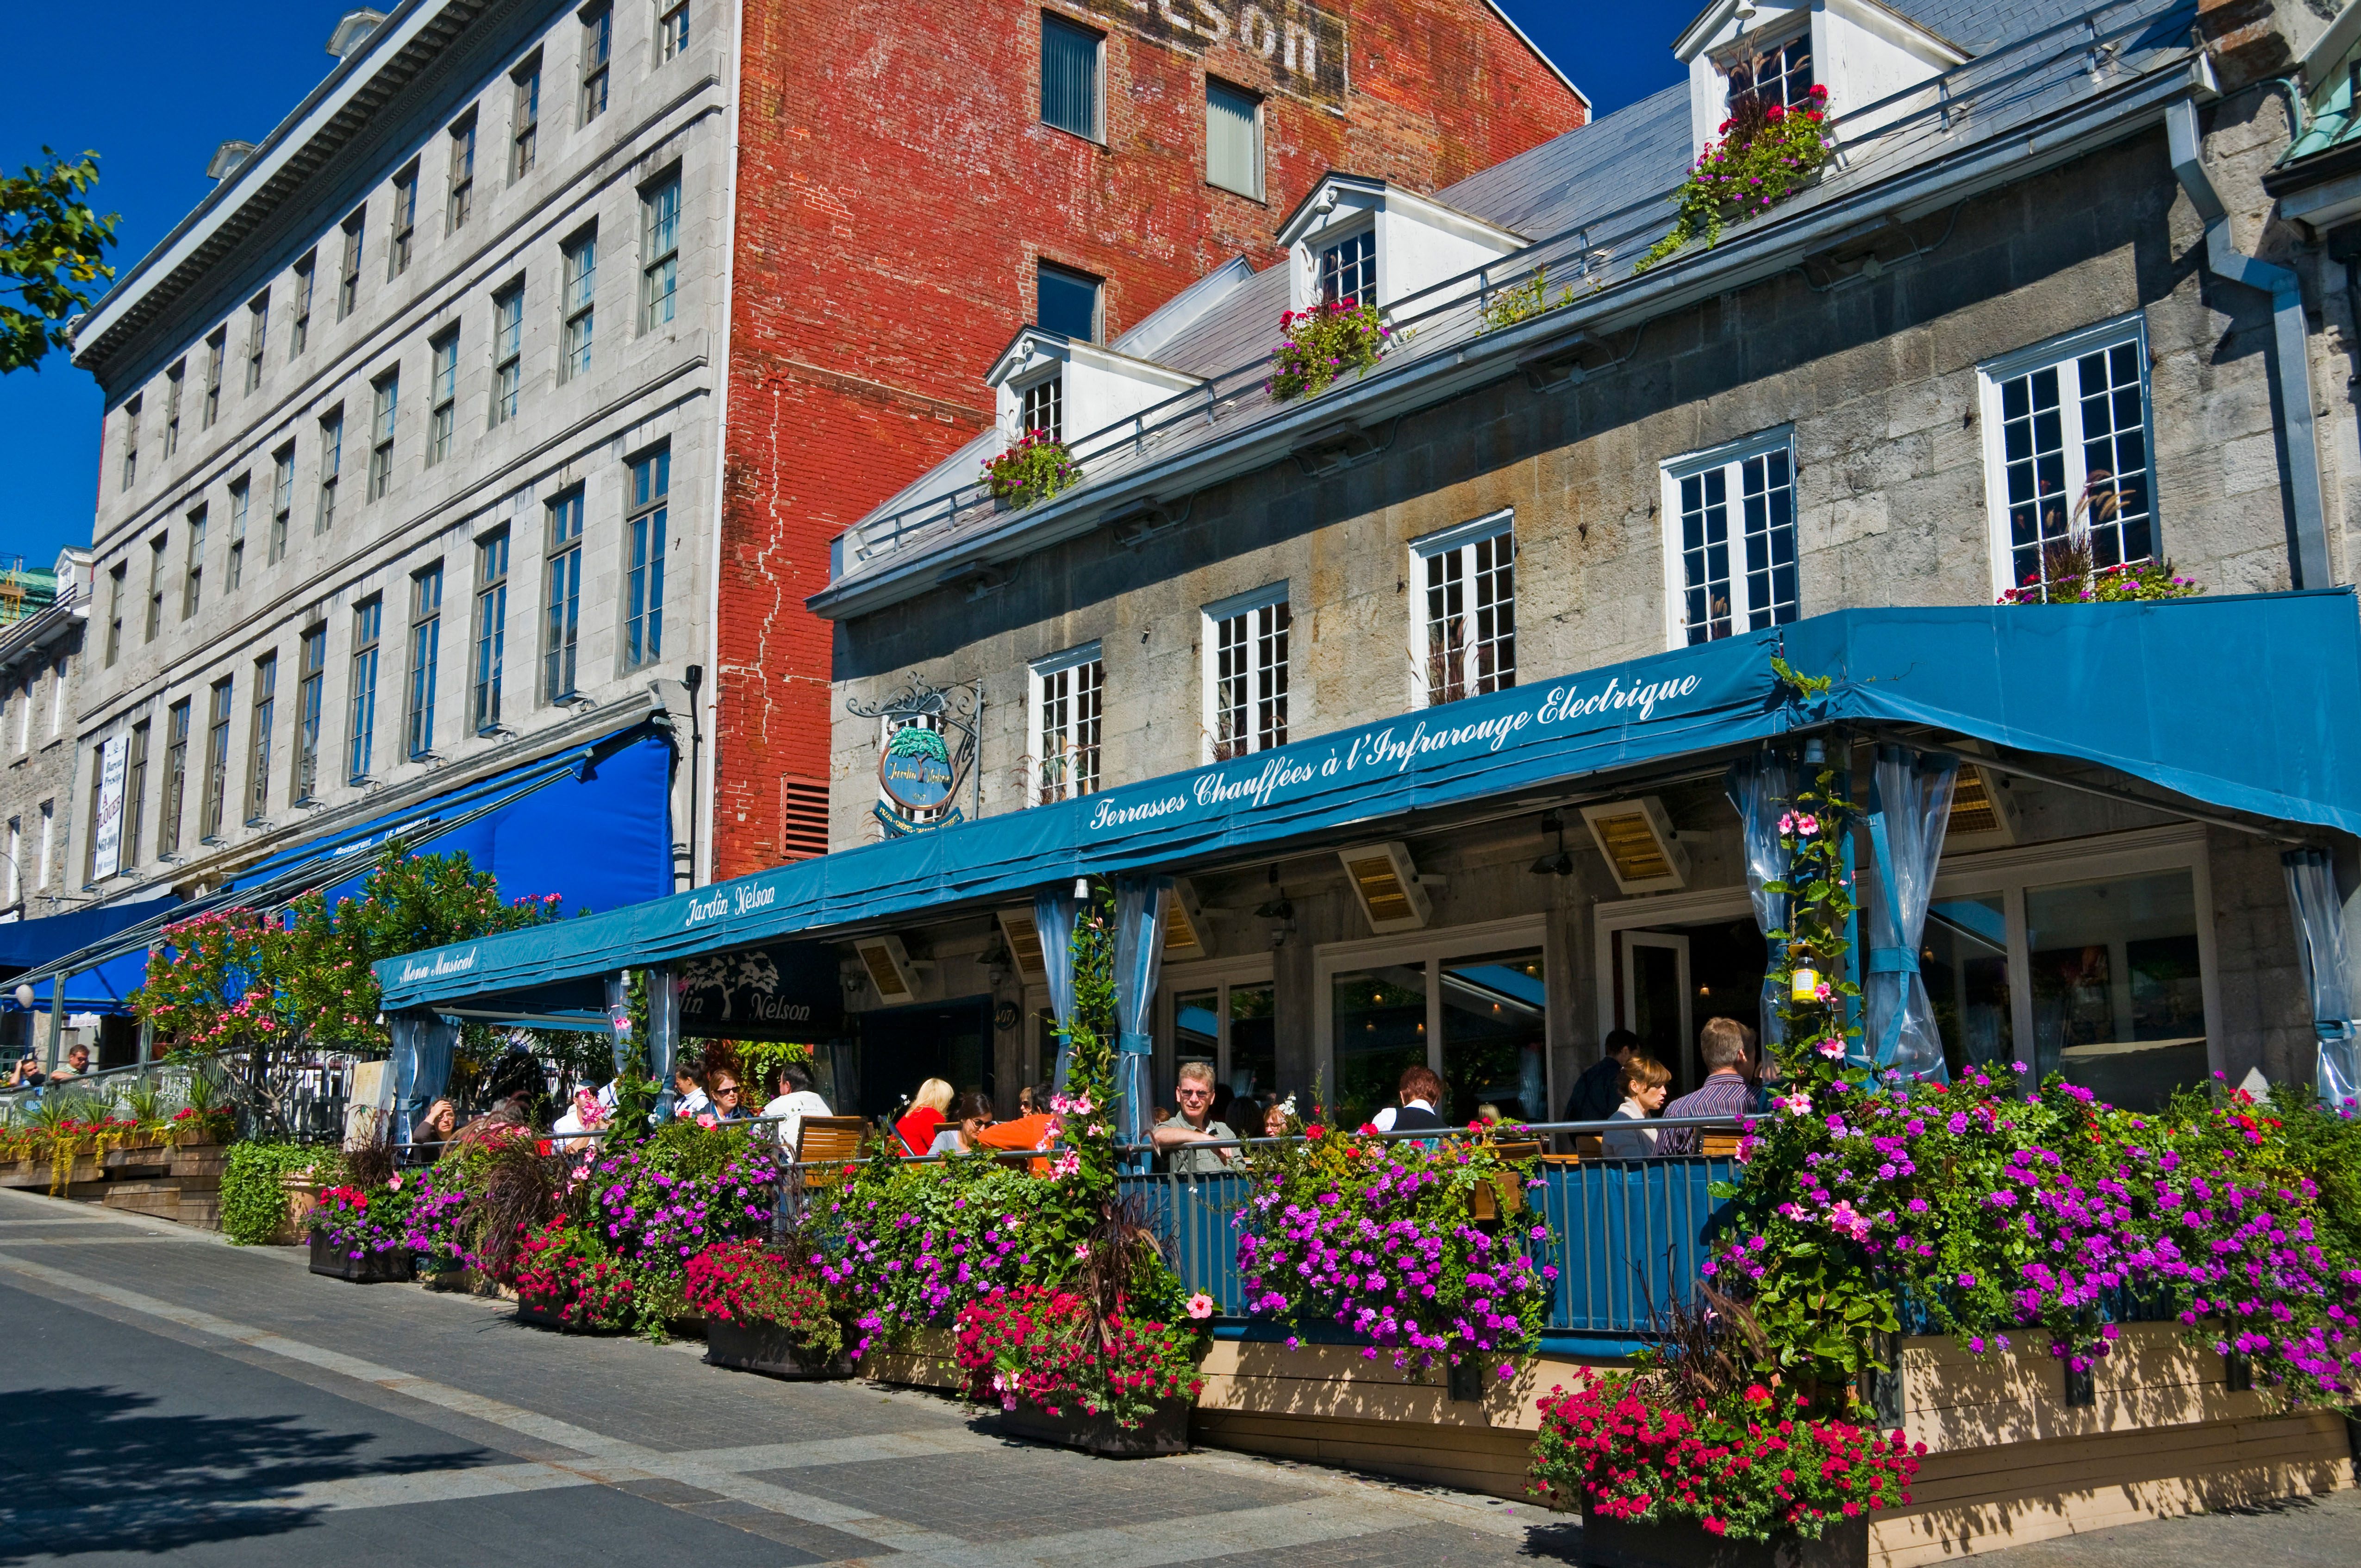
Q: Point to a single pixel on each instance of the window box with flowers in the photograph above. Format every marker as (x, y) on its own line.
(1119, 1385)
(361, 1234)
(1036, 467)
(1318, 345)
(763, 1313)
(1767, 153)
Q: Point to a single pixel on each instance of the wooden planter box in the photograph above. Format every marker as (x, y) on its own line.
(1612, 1543)
(369, 1269)
(765, 1348)
(1166, 1431)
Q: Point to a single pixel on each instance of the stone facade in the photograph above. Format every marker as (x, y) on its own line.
(40, 665)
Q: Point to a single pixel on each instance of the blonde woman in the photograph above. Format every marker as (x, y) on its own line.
(919, 1123)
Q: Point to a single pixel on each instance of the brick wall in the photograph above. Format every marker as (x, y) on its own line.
(896, 191)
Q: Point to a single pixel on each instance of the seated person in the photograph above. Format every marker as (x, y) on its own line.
(1420, 1093)
(688, 1090)
(1646, 1081)
(1600, 1088)
(1194, 1125)
(917, 1128)
(1727, 1091)
(76, 1065)
(796, 1101)
(725, 1106)
(974, 1115)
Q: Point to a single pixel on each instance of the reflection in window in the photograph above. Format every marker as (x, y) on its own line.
(1379, 1017)
(1254, 1043)
(1494, 1030)
(1964, 961)
(2118, 996)
(1197, 1029)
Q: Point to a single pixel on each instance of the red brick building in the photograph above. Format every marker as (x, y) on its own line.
(905, 189)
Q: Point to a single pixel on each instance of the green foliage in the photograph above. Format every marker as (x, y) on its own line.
(1523, 301)
(253, 1192)
(1767, 154)
(1318, 345)
(51, 245)
(1037, 468)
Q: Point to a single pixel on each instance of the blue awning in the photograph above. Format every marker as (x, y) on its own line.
(28, 944)
(2251, 703)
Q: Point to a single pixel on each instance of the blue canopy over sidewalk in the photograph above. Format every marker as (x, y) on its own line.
(2249, 703)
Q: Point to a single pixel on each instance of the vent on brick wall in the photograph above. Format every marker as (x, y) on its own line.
(803, 818)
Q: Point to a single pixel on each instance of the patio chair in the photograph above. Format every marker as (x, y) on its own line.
(829, 1143)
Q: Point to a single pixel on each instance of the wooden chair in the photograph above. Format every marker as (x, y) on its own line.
(825, 1145)
(1718, 1145)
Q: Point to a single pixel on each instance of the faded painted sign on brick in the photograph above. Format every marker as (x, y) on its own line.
(1303, 47)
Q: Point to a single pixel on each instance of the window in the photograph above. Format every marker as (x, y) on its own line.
(283, 498)
(238, 497)
(491, 627)
(216, 792)
(508, 352)
(360, 714)
(1722, 582)
(155, 587)
(131, 443)
(311, 692)
(1067, 301)
(332, 463)
(1070, 77)
(387, 398)
(2066, 455)
(258, 337)
(192, 574)
(463, 174)
(659, 251)
(258, 739)
(114, 584)
(597, 53)
(1348, 269)
(581, 288)
(172, 383)
(135, 795)
(562, 625)
(405, 223)
(15, 861)
(1067, 691)
(348, 284)
(1045, 408)
(299, 329)
(1465, 642)
(1246, 672)
(49, 832)
(176, 778)
(1231, 1028)
(524, 133)
(216, 349)
(425, 657)
(671, 29)
(1780, 73)
(442, 390)
(1233, 139)
(644, 532)
(1478, 1019)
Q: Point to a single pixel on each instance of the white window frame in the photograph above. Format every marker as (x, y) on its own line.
(1220, 976)
(2061, 352)
(1318, 247)
(1730, 457)
(1037, 679)
(1250, 604)
(1458, 538)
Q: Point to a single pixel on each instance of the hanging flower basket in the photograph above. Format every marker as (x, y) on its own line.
(1037, 468)
(1318, 345)
(1768, 152)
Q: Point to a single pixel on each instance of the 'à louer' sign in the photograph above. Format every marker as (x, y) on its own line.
(1303, 47)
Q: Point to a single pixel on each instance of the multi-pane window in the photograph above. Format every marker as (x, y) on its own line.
(491, 627)
(1233, 139)
(561, 619)
(114, 587)
(135, 794)
(1465, 644)
(283, 498)
(176, 777)
(405, 223)
(1070, 76)
(598, 56)
(1778, 73)
(311, 695)
(442, 391)
(1348, 270)
(387, 398)
(508, 352)
(193, 571)
(578, 304)
(258, 739)
(425, 657)
(155, 587)
(1067, 302)
(258, 337)
(173, 379)
(1731, 539)
(1045, 408)
(130, 443)
(1067, 690)
(659, 251)
(216, 783)
(1246, 672)
(463, 174)
(360, 711)
(298, 327)
(2067, 456)
(216, 350)
(348, 282)
(524, 125)
(671, 29)
(332, 464)
(643, 584)
(240, 495)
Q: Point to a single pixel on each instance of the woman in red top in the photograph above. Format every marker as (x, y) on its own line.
(919, 1123)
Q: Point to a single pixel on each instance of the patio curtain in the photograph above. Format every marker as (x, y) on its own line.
(1910, 804)
(619, 1021)
(1760, 787)
(1053, 922)
(1139, 962)
(2320, 943)
(664, 1023)
(423, 1044)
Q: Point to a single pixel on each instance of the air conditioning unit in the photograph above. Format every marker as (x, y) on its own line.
(1023, 939)
(1640, 847)
(1186, 935)
(1386, 881)
(889, 968)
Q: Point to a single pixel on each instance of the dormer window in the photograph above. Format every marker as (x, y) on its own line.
(1045, 408)
(1348, 269)
(1777, 74)
(1072, 389)
(1358, 240)
(1775, 53)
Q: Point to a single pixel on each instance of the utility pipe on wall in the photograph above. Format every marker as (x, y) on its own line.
(2291, 359)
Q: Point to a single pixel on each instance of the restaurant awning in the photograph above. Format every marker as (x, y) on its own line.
(2248, 703)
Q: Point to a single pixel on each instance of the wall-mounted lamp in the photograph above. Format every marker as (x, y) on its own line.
(1557, 862)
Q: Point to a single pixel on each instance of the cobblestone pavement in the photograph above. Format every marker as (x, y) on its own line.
(168, 1396)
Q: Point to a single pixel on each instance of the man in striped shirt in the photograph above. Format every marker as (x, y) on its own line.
(1727, 1091)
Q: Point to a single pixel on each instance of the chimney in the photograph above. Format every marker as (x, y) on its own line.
(356, 29)
(228, 159)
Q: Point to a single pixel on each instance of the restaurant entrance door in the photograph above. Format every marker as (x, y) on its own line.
(901, 1048)
(1670, 978)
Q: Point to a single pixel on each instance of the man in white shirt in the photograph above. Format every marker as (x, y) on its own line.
(798, 1103)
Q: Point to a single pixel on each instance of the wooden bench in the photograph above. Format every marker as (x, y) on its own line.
(829, 1143)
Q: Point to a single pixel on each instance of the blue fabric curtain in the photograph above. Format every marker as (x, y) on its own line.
(1053, 920)
(1139, 962)
(423, 1045)
(2320, 943)
(1760, 787)
(1910, 804)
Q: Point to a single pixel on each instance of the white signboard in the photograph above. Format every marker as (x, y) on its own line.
(106, 857)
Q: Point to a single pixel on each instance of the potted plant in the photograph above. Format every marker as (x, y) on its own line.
(1318, 345)
(360, 1234)
(1767, 153)
(565, 1279)
(1036, 467)
(1116, 1385)
(764, 1313)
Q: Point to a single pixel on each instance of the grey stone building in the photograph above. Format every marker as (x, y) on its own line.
(41, 640)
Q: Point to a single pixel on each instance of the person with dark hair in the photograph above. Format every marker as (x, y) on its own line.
(1599, 1091)
(1646, 1081)
(796, 1101)
(1420, 1093)
(688, 1089)
(1723, 1045)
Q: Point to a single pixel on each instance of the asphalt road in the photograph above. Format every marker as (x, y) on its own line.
(166, 1397)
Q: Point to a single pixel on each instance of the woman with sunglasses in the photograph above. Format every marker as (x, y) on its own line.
(722, 1087)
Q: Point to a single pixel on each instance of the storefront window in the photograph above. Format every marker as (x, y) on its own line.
(1253, 1065)
(2118, 999)
(1964, 961)
(1196, 1029)
(1379, 1017)
(1494, 1030)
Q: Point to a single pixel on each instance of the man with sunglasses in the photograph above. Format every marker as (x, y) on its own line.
(1194, 1125)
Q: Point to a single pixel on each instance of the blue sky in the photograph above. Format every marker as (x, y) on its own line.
(154, 121)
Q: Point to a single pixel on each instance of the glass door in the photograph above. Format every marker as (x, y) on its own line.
(1656, 1000)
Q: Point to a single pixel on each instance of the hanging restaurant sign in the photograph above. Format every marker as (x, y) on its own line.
(914, 770)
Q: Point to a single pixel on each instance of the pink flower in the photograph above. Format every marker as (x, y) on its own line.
(1200, 1306)
(1832, 1048)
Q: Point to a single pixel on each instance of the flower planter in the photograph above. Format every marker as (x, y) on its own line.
(552, 1318)
(1166, 1431)
(369, 1269)
(766, 1348)
(1614, 1544)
